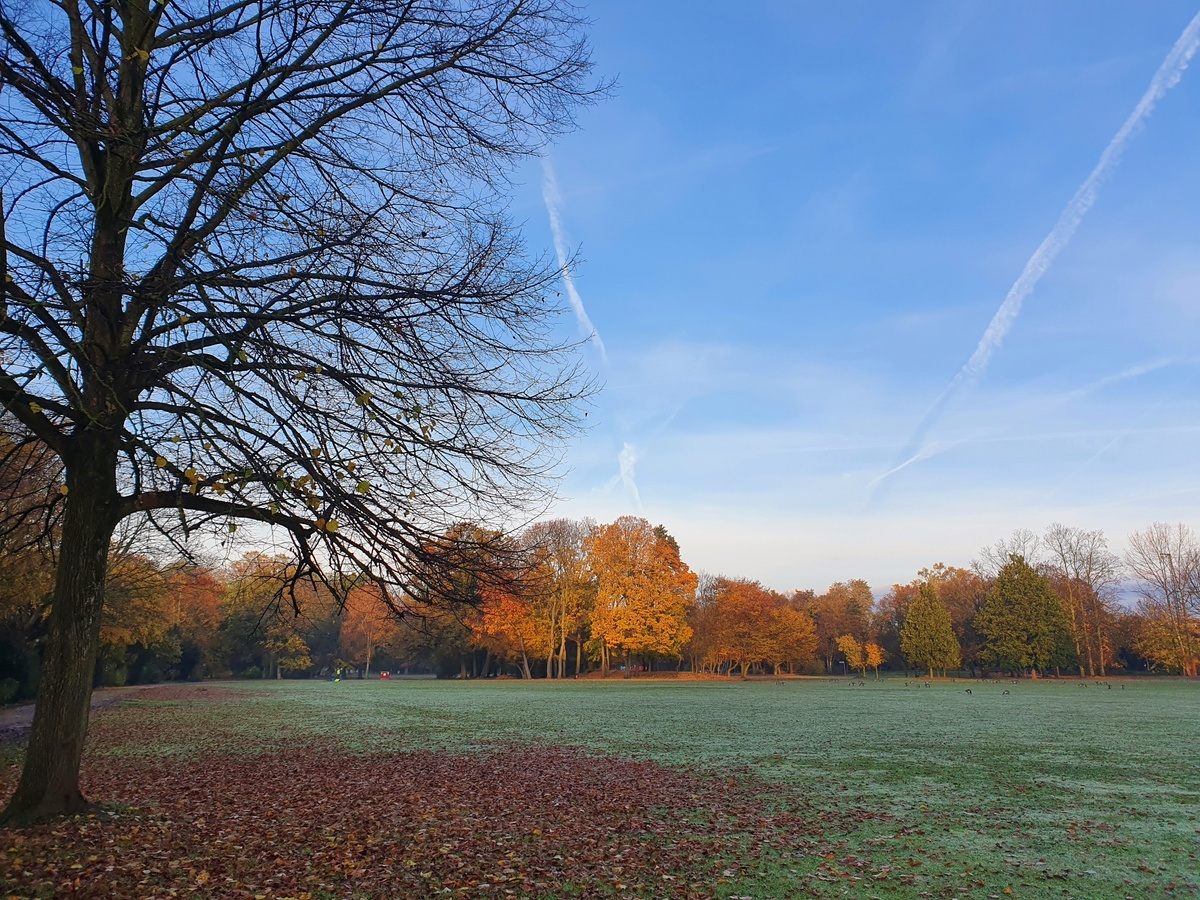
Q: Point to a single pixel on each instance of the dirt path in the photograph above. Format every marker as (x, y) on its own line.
(15, 720)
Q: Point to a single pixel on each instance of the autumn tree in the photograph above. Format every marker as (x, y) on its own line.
(844, 609)
(563, 591)
(1022, 621)
(441, 640)
(1084, 577)
(643, 592)
(927, 639)
(135, 618)
(256, 268)
(1160, 639)
(888, 614)
(703, 620)
(1165, 559)
(874, 656)
(368, 623)
(262, 632)
(738, 623)
(30, 501)
(469, 586)
(793, 636)
(852, 649)
(745, 612)
(508, 628)
(194, 596)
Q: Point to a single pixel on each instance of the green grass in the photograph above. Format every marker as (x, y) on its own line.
(1055, 790)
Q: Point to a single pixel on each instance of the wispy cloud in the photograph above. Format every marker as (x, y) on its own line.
(1167, 76)
(553, 198)
(627, 459)
(1125, 375)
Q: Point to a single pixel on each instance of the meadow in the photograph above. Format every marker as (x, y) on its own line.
(792, 788)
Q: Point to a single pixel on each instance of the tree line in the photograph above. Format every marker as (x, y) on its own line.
(572, 597)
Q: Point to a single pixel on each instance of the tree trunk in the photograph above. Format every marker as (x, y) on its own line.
(49, 783)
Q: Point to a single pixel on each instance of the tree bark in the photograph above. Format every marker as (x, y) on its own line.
(49, 783)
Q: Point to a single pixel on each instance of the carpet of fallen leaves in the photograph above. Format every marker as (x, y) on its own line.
(313, 821)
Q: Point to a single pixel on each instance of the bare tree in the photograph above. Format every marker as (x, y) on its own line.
(1166, 561)
(1022, 542)
(1086, 575)
(257, 268)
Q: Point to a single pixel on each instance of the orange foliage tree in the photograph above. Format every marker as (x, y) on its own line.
(135, 606)
(643, 592)
(743, 627)
(738, 624)
(508, 627)
(843, 609)
(194, 596)
(793, 637)
(874, 656)
(368, 623)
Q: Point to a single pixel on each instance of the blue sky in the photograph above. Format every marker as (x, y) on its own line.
(796, 220)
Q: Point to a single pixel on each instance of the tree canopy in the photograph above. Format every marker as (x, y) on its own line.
(643, 591)
(256, 267)
(927, 639)
(1023, 621)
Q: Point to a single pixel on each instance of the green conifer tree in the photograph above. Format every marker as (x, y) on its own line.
(1023, 622)
(927, 638)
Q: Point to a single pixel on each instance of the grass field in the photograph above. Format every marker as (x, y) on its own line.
(1053, 790)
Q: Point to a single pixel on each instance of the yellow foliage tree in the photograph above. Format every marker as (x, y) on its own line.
(850, 648)
(644, 592)
(875, 656)
(135, 607)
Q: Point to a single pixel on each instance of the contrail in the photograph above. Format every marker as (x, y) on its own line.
(1165, 78)
(627, 459)
(553, 198)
